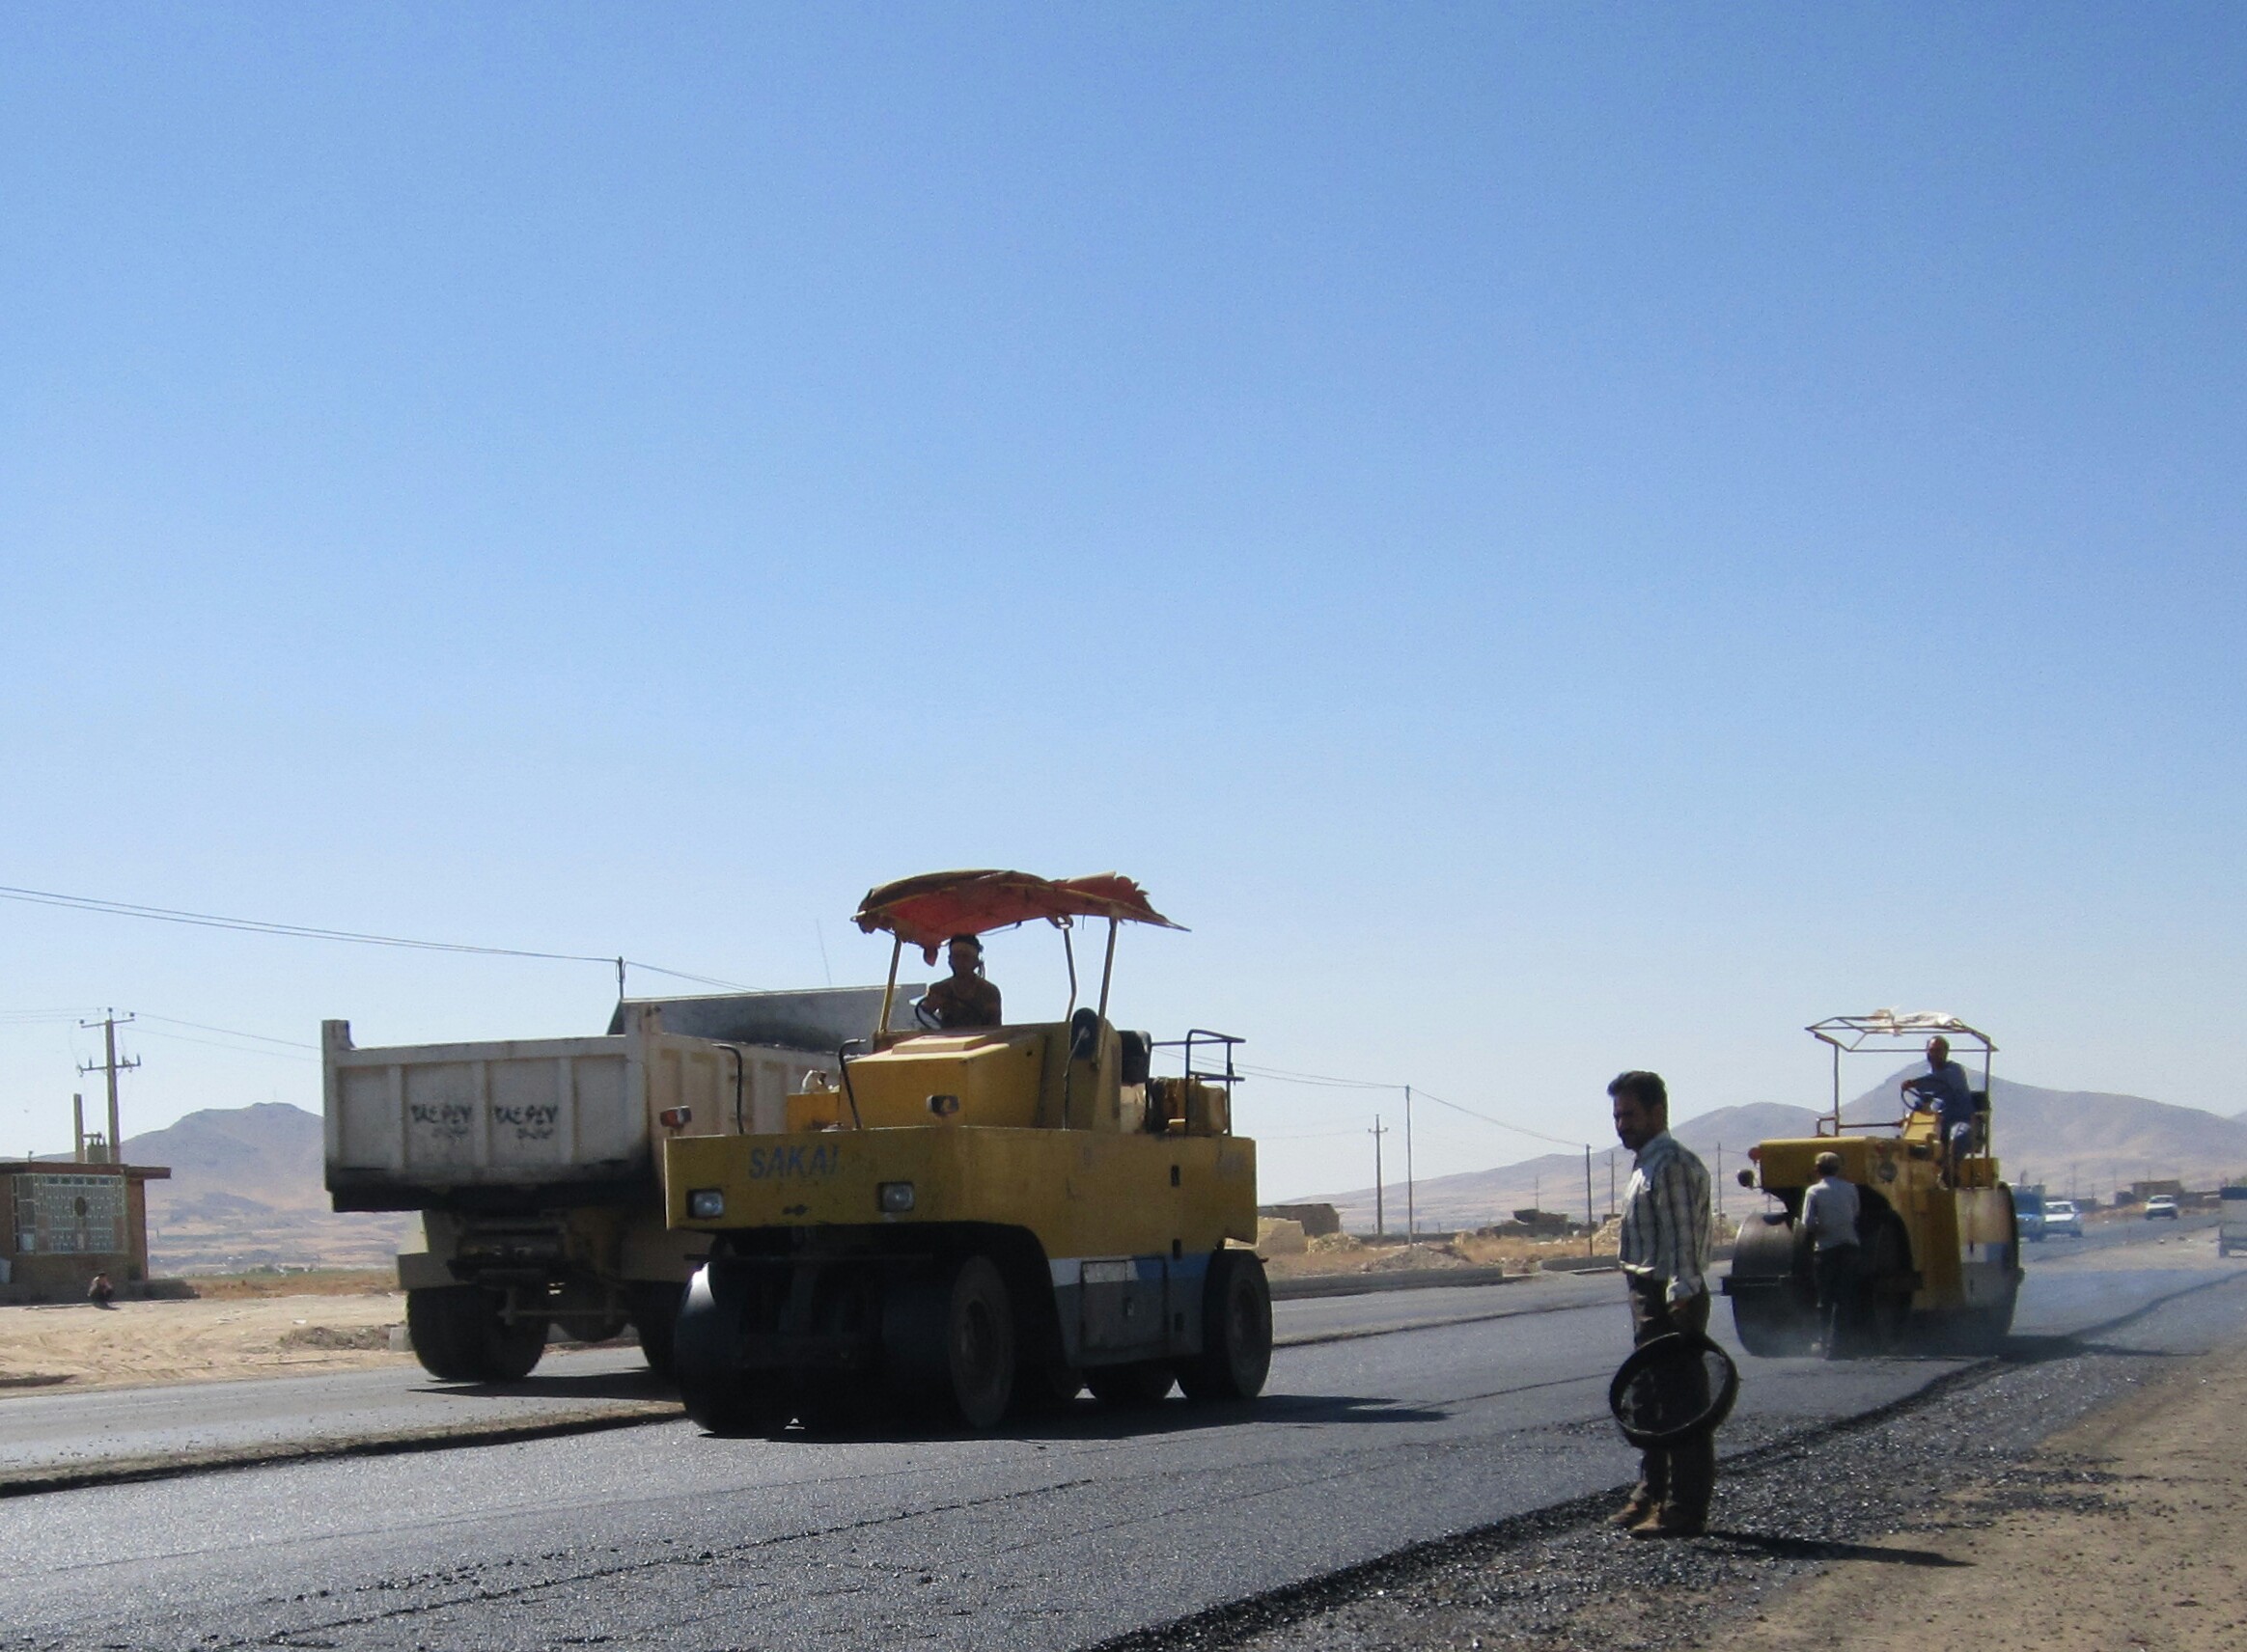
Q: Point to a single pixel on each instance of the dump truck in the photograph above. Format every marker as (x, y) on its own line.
(973, 1220)
(2231, 1221)
(534, 1162)
(1938, 1240)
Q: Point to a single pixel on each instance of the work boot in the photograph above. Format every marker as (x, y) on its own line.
(1669, 1522)
(1632, 1512)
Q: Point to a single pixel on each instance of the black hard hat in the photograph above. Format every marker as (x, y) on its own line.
(1673, 1389)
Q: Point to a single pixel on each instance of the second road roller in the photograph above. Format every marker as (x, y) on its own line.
(1939, 1241)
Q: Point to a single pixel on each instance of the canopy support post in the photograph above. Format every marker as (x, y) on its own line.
(1069, 952)
(1107, 970)
(889, 991)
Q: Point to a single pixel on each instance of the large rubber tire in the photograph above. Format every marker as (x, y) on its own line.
(458, 1335)
(1133, 1387)
(719, 1392)
(948, 1341)
(1774, 1298)
(1237, 1331)
(655, 1322)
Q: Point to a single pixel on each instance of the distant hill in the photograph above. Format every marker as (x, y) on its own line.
(2101, 1142)
(248, 1190)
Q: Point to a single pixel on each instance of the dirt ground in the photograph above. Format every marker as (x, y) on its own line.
(2143, 1550)
(139, 1343)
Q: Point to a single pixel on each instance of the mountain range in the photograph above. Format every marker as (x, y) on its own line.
(247, 1184)
(248, 1190)
(2066, 1140)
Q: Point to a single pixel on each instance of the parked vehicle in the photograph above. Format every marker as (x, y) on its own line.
(2029, 1211)
(2161, 1204)
(2061, 1217)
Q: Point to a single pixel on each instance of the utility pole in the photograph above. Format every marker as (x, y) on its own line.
(1380, 1212)
(1589, 1229)
(1411, 1210)
(110, 1066)
(1720, 1178)
(1611, 1181)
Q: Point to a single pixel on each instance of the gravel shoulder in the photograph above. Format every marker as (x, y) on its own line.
(2000, 1502)
(2123, 1531)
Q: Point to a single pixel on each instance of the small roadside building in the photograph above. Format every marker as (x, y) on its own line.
(63, 1220)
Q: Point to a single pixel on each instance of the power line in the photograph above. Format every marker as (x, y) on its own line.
(1330, 1082)
(230, 1032)
(352, 937)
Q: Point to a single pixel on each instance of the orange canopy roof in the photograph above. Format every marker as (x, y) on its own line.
(928, 910)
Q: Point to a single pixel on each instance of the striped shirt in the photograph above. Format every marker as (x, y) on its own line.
(1665, 1218)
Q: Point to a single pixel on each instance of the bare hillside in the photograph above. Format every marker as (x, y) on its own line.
(247, 1191)
(2100, 1142)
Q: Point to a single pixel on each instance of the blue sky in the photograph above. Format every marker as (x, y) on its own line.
(1553, 537)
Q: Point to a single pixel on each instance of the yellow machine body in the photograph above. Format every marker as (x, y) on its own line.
(1957, 1233)
(1078, 1193)
(1103, 1196)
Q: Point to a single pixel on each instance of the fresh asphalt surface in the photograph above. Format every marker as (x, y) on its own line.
(1061, 1534)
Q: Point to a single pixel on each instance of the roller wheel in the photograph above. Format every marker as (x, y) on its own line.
(948, 1339)
(1774, 1298)
(1133, 1387)
(720, 1391)
(655, 1322)
(1237, 1331)
(459, 1336)
(1884, 1292)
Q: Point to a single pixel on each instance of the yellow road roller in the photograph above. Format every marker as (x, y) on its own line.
(1938, 1243)
(971, 1220)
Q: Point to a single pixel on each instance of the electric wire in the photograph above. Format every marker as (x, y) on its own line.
(1329, 1081)
(316, 933)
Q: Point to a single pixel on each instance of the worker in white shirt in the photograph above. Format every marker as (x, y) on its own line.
(1829, 1215)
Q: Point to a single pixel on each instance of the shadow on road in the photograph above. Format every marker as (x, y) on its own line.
(1821, 1549)
(1086, 1418)
(592, 1385)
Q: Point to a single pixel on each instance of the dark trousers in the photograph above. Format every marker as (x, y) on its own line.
(1678, 1479)
(1837, 1295)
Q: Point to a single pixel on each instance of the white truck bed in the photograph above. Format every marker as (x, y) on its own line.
(544, 1121)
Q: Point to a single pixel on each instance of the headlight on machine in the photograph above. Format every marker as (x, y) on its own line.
(706, 1205)
(896, 1197)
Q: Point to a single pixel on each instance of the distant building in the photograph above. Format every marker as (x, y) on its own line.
(1316, 1219)
(62, 1222)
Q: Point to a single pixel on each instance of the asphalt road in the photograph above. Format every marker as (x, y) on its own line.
(195, 1424)
(1054, 1536)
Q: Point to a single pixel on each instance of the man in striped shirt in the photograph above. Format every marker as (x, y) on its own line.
(1665, 1259)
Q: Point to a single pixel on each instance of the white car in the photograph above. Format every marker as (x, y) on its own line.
(2061, 1217)
(2161, 1204)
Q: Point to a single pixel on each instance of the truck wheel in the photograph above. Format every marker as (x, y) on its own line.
(948, 1341)
(1237, 1331)
(1133, 1387)
(460, 1336)
(655, 1321)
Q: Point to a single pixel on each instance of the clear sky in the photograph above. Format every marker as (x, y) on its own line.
(1554, 537)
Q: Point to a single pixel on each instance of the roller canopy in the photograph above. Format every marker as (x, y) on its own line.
(930, 909)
